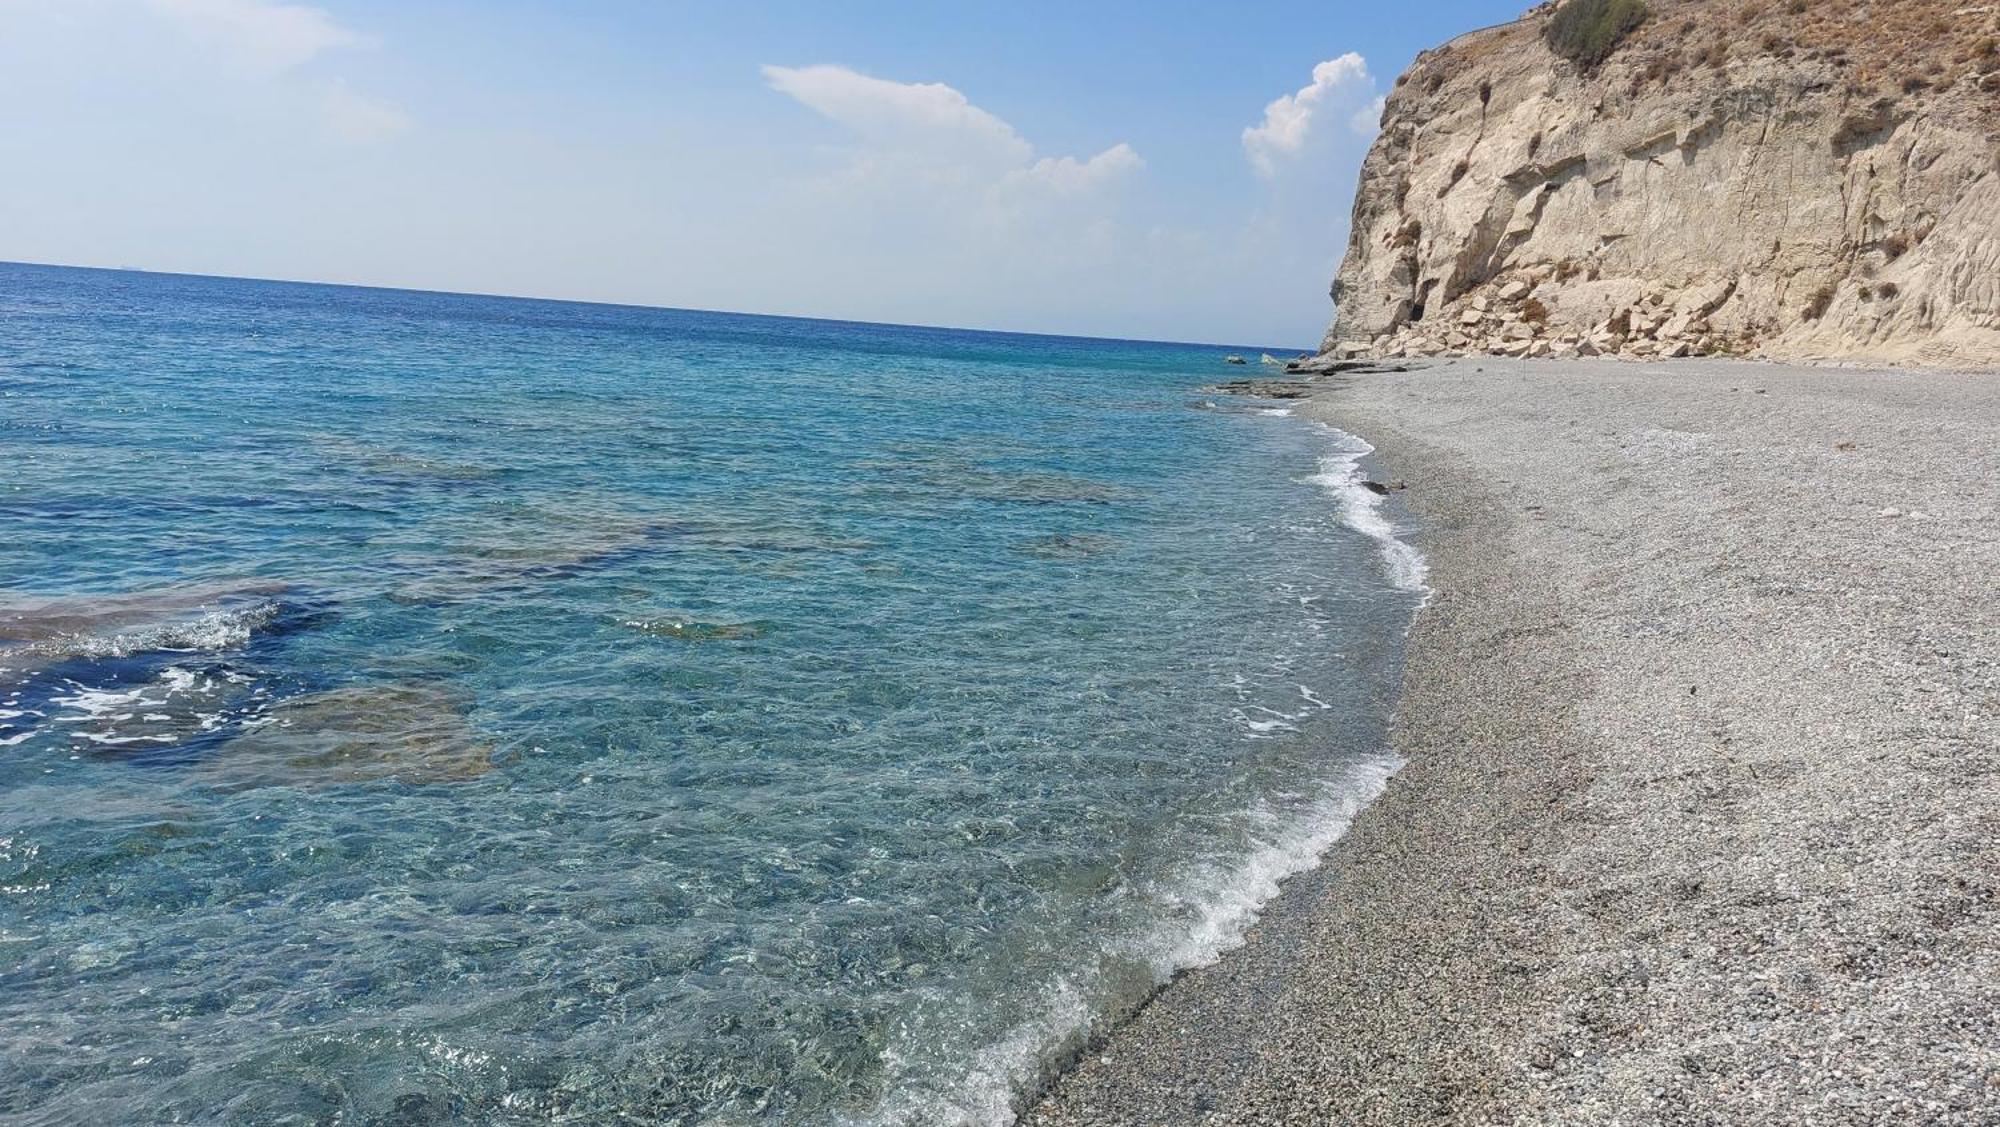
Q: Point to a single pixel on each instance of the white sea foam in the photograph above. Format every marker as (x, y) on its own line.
(1361, 510)
(181, 698)
(1225, 900)
(1203, 913)
(216, 630)
(985, 1094)
(1207, 909)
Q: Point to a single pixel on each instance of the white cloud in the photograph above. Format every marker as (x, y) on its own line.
(1068, 175)
(929, 135)
(925, 118)
(261, 36)
(258, 44)
(358, 117)
(1288, 121)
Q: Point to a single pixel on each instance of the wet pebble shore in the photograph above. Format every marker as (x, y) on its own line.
(1698, 825)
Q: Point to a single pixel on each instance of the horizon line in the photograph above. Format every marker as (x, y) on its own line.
(630, 305)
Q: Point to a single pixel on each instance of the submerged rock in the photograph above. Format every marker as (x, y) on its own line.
(544, 545)
(413, 732)
(690, 629)
(146, 718)
(396, 465)
(1263, 389)
(1067, 545)
(36, 634)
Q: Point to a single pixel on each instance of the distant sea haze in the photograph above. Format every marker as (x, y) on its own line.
(448, 709)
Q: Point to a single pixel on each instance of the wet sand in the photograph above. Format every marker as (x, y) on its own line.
(1700, 815)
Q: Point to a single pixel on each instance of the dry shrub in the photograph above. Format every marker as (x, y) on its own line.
(1586, 31)
(1816, 305)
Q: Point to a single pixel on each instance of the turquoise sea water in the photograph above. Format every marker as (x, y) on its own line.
(424, 708)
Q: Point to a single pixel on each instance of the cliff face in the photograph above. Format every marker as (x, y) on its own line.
(1788, 179)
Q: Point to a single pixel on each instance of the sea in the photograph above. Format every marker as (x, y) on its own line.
(430, 708)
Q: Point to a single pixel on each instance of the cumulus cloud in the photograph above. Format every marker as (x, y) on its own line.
(930, 132)
(1291, 120)
(922, 117)
(1068, 175)
(261, 36)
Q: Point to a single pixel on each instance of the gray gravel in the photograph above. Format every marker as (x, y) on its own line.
(1701, 822)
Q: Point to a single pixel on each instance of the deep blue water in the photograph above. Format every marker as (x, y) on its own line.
(427, 708)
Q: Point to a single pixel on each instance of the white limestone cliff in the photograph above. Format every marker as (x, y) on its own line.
(1787, 180)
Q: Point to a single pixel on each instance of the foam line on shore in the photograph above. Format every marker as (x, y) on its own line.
(1361, 510)
(1205, 912)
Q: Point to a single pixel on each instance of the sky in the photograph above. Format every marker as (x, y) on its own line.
(1168, 171)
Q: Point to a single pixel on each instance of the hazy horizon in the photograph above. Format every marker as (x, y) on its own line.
(484, 295)
(1122, 173)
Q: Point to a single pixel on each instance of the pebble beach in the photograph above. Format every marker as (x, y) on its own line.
(1698, 818)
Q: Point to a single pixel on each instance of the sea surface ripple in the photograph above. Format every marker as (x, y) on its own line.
(426, 708)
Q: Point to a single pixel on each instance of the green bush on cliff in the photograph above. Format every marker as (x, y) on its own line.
(1586, 31)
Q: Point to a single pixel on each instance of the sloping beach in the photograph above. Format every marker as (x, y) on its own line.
(1699, 814)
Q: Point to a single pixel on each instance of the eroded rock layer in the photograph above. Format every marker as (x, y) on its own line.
(1787, 179)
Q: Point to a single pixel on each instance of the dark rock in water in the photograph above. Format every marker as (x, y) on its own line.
(1052, 489)
(414, 732)
(1234, 360)
(162, 717)
(50, 619)
(982, 478)
(1263, 389)
(35, 634)
(1321, 366)
(1067, 546)
(693, 630)
(396, 465)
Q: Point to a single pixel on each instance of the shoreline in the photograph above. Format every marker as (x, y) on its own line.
(1700, 783)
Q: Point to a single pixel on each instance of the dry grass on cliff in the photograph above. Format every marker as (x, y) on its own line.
(1890, 50)
(1887, 47)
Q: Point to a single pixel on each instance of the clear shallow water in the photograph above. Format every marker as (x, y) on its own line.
(418, 707)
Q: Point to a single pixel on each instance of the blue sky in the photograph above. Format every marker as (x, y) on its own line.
(1160, 170)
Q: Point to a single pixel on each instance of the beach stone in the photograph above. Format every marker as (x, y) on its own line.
(414, 732)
